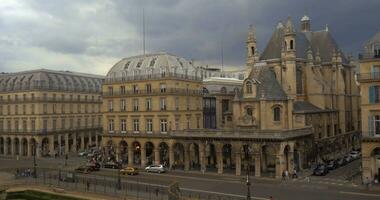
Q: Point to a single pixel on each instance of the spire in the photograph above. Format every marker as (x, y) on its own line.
(289, 26)
(327, 28)
(309, 55)
(333, 57)
(252, 53)
(317, 57)
(339, 57)
(305, 24)
(251, 34)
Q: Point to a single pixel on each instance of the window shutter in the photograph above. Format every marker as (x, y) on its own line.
(371, 94)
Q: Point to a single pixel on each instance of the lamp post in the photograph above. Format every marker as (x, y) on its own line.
(118, 180)
(248, 152)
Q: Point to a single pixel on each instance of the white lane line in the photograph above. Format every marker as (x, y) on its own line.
(360, 194)
(225, 194)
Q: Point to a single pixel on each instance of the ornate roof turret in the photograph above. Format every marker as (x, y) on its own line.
(289, 26)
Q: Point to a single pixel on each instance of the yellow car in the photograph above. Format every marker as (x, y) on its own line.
(129, 171)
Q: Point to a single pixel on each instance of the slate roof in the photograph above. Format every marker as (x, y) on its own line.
(268, 86)
(321, 41)
(305, 107)
(44, 79)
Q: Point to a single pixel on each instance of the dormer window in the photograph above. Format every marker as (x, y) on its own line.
(249, 87)
(127, 65)
(139, 63)
(277, 114)
(291, 44)
(152, 62)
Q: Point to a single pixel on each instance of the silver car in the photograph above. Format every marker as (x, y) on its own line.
(155, 168)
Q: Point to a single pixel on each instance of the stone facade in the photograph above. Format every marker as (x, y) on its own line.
(369, 79)
(56, 112)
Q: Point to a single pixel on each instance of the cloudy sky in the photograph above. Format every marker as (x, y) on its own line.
(92, 35)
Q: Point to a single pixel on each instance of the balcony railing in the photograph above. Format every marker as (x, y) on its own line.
(46, 131)
(364, 56)
(151, 76)
(50, 99)
(373, 76)
(154, 92)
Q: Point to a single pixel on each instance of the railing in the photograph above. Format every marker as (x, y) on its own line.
(150, 77)
(30, 87)
(369, 76)
(154, 92)
(364, 56)
(46, 131)
(49, 99)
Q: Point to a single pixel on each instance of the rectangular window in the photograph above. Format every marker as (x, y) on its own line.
(54, 124)
(162, 87)
(163, 103)
(1, 109)
(33, 126)
(148, 104)
(16, 109)
(79, 123)
(148, 88)
(149, 125)
(24, 109)
(44, 125)
(110, 106)
(45, 108)
(63, 125)
(63, 108)
(198, 122)
(110, 125)
(187, 103)
(1, 125)
(135, 89)
(123, 125)
(24, 125)
(163, 126)
(122, 90)
(123, 106)
(135, 105)
(54, 108)
(176, 103)
(176, 123)
(110, 91)
(374, 94)
(188, 123)
(32, 108)
(71, 123)
(136, 126)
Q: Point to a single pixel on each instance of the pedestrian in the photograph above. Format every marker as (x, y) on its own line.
(367, 183)
(283, 175)
(271, 198)
(286, 174)
(295, 173)
(88, 185)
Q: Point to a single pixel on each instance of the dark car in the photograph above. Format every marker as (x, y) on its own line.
(83, 169)
(94, 166)
(112, 165)
(347, 158)
(332, 164)
(341, 161)
(320, 170)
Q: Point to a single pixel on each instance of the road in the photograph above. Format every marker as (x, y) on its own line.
(261, 188)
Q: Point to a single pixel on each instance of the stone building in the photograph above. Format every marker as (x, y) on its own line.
(295, 104)
(49, 112)
(369, 79)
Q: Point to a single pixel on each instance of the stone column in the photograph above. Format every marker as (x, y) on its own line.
(59, 145)
(238, 163)
(156, 156)
(74, 146)
(257, 165)
(12, 146)
(202, 156)
(29, 148)
(51, 145)
(89, 139)
(187, 158)
(219, 158)
(96, 140)
(20, 148)
(279, 165)
(117, 151)
(6, 147)
(82, 141)
(171, 157)
(66, 143)
(290, 161)
(130, 154)
(38, 149)
(143, 157)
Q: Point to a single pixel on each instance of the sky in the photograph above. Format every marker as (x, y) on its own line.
(90, 36)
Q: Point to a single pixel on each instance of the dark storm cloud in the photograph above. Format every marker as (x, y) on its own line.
(97, 33)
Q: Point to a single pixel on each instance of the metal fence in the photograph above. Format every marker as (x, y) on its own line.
(111, 185)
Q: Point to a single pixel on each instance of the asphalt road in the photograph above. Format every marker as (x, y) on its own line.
(228, 185)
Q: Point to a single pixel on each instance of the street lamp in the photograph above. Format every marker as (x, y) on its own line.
(34, 159)
(118, 180)
(248, 152)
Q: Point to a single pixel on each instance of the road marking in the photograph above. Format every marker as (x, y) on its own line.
(360, 194)
(221, 193)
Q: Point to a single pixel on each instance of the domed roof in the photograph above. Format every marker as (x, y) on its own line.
(158, 65)
(43, 79)
(305, 18)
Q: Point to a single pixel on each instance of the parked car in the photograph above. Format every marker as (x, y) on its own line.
(341, 161)
(94, 166)
(320, 170)
(347, 158)
(155, 168)
(129, 171)
(82, 153)
(83, 169)
(332, 164)
(112, 165)
(355, 155)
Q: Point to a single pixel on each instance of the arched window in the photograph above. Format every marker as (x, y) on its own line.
(276, 114)
(299, 85)
(249, 87)
(253, 50)
(249, 111)
(291, 44)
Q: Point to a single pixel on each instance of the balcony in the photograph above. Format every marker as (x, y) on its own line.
(169, 91)
(49, 100)
(368, 56)
(374, 76)
(46, 131)
(152, 77)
